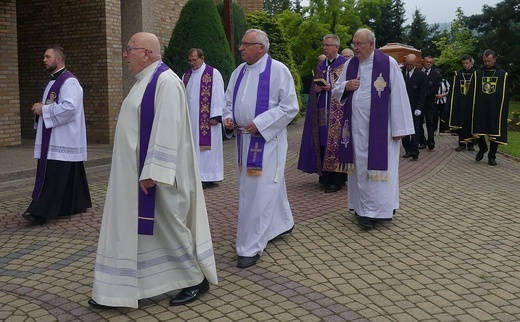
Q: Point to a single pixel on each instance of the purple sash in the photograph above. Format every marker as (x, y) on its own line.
(255, 154)
(146, 208)
(378, 125)
(206, 89)
(52, 97)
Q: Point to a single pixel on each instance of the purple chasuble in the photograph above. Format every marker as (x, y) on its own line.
(146, 208)
(255, 152)
(323, 123)
(52, 97)
(378, 125)
(206, 89)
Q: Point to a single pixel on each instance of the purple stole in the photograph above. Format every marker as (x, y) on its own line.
(146, 208)
(256, 146)
(378, 125)
(206, 89)
(52, 97)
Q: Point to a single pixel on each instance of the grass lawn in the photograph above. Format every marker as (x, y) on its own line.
(513, 144)
(513, 138)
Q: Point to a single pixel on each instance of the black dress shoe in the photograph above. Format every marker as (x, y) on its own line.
(461, 148)
(471, 148)
(366, 222)
(34, 220)
(208, 184)
(245, 261)
(480, 155)
(407, 155)
(415, 157)
(422, 146)
(190, 294)
(96, 305)
(431, 146)
(492, 162)
(332, 188)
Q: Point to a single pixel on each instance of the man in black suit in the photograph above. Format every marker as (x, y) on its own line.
(433, 82)
(416, 87)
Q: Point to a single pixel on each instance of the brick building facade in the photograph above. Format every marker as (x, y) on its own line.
(93, 34)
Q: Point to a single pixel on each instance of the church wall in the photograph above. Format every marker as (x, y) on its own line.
(249, 6)
(89, 32)
(93, 34)
(9, 94)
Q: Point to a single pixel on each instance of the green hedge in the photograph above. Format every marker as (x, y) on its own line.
(199, 26)
(279, 45)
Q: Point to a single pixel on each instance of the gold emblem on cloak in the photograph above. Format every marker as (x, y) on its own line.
(489, 85)
(464, 87)
(51, 99)
(380, 84)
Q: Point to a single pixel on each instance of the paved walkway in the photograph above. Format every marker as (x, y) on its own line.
(452, 252)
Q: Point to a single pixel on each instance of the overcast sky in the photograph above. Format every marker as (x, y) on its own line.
(440, 11)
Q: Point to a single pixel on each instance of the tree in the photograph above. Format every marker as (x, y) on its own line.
(420, 34)
(239, 27)
(456, 44)
(341, 17)
(206, 34)
(278, 48)
(498, 28)
(388, 27)
(321, 17)
(273, 7)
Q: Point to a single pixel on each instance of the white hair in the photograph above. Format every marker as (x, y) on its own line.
(261, 37)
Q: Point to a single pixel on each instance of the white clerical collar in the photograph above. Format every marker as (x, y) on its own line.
(257, 64)
(200, 69)
(370, 59)
(142, 74)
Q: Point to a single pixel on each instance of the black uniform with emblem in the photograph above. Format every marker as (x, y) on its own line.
(490, 109)
(461, 106)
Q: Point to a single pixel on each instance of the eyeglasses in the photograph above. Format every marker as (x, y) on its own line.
(358, 44)
(249, 44)
(328, 45)
(127, 50)
(193, 60)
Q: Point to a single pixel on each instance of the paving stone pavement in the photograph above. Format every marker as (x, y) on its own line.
(451, 253)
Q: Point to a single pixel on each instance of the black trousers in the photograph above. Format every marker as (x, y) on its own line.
(431, 117)
(493, 147)
(411, 142)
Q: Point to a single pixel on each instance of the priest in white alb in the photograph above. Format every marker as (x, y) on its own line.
(155, 234)
(260, 103)
(61, 187)
(377, 117)
(205, 89)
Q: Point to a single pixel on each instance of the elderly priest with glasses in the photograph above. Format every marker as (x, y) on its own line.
(155, 235)
(377, 117)
(260, 103)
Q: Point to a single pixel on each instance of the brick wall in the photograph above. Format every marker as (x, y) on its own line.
(9, 96)
(249, 6)
(166, 13)
(89, 31)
